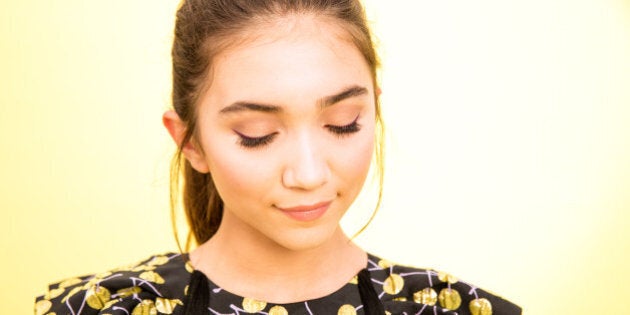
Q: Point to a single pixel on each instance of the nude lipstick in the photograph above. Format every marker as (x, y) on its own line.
(306, 213)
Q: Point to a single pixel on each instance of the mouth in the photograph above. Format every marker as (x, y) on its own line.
(306, 212)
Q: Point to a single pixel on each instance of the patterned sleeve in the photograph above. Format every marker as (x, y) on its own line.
(407, 290)
(154, 286)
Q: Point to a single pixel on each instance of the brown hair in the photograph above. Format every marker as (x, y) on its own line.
(204, 28)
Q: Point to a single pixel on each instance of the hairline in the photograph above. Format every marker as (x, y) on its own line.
(231, 40)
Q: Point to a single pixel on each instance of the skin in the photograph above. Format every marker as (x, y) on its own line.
(298, 84)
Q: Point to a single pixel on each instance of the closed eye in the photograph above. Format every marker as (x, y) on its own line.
(254, 142)
(345, 129)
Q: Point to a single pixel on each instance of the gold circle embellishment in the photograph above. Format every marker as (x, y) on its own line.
(70, 282)
(54, 293)
(354, 280)
(445, 277)
(347, 309)
(127, 292)
(110, 304)
(146, 307)
(97, 297)
(383, 263)
(41, 307)
(450, 299)
(189, 267)
(393, 284)
(152, 276)
(166, 306)
(480, 307)
(278, 310)
(143, 267)
(103, 275)
(158, 260)
(426, 296)
(253, 306)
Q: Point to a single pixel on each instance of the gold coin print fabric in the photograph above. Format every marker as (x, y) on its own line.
(159, 285)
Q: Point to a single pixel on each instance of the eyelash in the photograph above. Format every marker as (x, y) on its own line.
(255, 142)
(346, 129)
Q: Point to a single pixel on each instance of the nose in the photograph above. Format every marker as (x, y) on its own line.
(306, 167)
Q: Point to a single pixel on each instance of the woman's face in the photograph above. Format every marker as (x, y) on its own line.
(286, 129)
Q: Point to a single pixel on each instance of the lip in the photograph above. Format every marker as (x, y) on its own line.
(306, 212)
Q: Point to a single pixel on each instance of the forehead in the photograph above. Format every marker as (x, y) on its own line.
(304, 55)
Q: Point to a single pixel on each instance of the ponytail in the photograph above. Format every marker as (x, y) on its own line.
(202, 205)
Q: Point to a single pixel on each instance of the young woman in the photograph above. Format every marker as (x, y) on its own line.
(275, 115)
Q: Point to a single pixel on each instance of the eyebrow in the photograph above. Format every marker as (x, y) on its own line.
(350, 92)
(324, 102)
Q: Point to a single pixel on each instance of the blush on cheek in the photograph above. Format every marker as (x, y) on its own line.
(233, 178)
(239, 178)
(358, 163)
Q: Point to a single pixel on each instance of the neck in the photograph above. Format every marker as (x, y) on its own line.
(251, 265)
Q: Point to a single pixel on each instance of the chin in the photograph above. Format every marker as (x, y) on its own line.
(300, 240)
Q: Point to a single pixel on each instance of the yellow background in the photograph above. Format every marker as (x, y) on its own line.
(508, 154)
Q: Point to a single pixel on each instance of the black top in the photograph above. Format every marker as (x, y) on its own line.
(160, 285)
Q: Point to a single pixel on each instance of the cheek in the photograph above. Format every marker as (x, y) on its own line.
(355, 163)
(237, 178)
